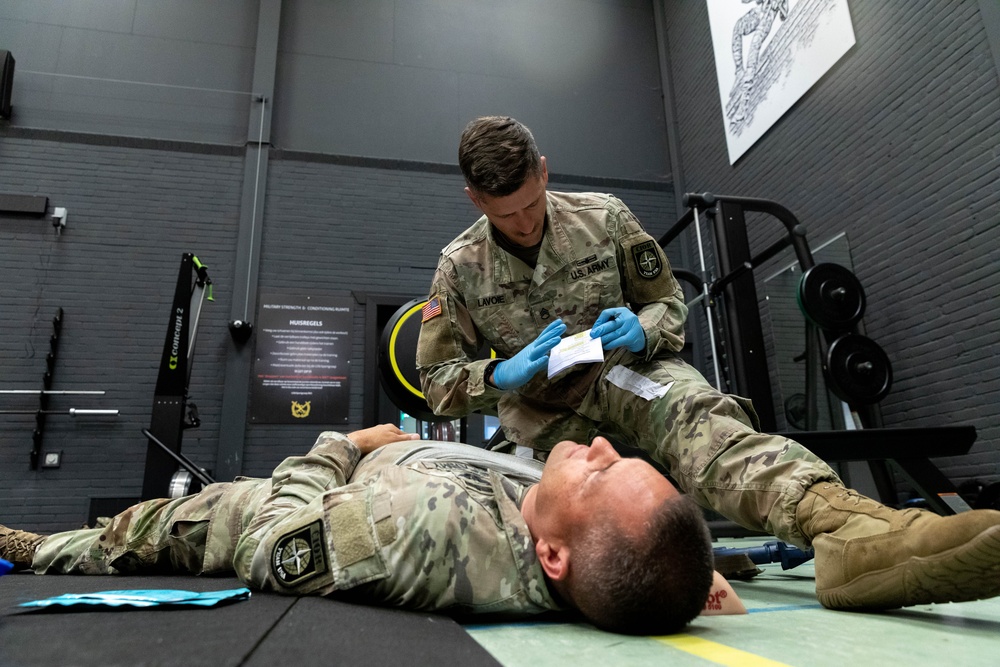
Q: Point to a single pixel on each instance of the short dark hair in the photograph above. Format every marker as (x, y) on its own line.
(497, 155)
(654, 583)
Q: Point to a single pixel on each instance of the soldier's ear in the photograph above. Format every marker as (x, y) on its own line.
(473, 198)
(554, 559)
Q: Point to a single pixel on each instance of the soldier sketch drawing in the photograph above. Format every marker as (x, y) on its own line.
(768, 53)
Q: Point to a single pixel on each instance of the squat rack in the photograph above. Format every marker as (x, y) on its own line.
(744, 370)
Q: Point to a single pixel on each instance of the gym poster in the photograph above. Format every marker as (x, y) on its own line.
(301, 371)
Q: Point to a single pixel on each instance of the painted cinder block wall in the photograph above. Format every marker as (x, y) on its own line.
(896, 146)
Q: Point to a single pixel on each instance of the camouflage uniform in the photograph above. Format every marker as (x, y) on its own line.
(595, 255)
(425, 534)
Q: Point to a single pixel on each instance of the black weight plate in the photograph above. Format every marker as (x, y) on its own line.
(831, 296)
(858, 370)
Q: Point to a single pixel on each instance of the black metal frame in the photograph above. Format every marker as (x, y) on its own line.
(43, 396)
(172, 411)
(909, 449)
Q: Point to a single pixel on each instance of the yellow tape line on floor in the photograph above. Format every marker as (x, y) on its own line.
(717, 653)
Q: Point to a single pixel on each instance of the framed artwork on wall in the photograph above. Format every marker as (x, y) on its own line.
(768, 53)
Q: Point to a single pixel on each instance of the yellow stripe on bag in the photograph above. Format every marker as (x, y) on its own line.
(717, 653)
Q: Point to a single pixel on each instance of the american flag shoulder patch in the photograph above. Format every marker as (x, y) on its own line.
(431, 310)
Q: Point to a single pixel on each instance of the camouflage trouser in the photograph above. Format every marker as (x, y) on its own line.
(709, 443)
(196, 534)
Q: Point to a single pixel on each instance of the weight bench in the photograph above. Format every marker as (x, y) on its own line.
(910, 449)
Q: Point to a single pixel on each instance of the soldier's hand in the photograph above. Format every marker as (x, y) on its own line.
(370, 439)
(520, 368)
(619, 327)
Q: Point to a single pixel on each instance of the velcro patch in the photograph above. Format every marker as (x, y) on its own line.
(300, 555)
(352, 535)
(647, 259)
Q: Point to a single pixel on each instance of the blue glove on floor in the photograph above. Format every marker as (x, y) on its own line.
(619, 327)
(520, 368)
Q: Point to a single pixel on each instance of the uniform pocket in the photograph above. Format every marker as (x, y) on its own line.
(597, 297)
(494, 325)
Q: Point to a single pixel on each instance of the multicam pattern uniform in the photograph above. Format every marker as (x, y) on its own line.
(595, 255)
(429, 535)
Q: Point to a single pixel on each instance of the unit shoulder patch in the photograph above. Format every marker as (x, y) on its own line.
(300, 555)
(647, 260)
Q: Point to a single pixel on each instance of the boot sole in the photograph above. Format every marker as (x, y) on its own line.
(970, 571)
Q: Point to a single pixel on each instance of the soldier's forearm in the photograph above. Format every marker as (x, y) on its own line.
(663, 323)
(458, 388)
(300, 479)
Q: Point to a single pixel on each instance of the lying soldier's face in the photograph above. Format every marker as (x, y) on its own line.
(580, 483)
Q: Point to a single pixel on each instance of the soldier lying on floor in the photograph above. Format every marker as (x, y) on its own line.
(378, 517)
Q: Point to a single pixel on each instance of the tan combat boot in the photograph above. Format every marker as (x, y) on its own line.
(18, 546)
(869, 556)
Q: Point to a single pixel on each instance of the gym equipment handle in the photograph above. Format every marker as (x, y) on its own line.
(181, 460)
(696, 200)
(47, 392)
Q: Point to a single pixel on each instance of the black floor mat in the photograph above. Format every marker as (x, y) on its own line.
(267, 629)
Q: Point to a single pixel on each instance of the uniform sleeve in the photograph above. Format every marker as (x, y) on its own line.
(649, 284)
(451, 377)
(294, 506)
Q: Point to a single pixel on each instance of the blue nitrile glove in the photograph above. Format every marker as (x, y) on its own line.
(520, 368)
(619, 327)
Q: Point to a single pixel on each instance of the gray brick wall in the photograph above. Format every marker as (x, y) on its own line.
(896, 146)
(337, 229)
(332, 227)
(132, 213)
